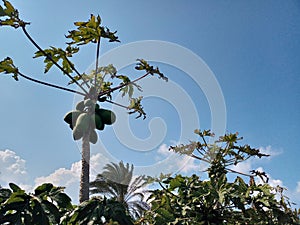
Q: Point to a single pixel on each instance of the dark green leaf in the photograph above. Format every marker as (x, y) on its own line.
(15, 187)
(2, 13)
(43, 188)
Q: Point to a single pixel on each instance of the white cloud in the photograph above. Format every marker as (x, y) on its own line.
(271, 181)
(270, 151)
(188, 164)
(69, 178)
(298, 187)
(183, 163)
(243, 167)
(12, 169)
(164, 150)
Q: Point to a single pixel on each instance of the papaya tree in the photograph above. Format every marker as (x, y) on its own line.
(95, 86)
(190, 200)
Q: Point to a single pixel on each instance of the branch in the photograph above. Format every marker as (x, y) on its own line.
(202, 159)
(166, 189)
(50, 85)
(76, 71)
(50, 58)
(115, 103)
(122, 85)
(97, 61)
(233, 171)
(229, 170)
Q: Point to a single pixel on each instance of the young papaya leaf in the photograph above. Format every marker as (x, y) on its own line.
(56, 54)
(136, 107)
(7, 67)
(143, 65)
(90, 32)
(9, 8)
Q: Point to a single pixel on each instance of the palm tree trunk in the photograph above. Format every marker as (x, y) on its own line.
(85, 168)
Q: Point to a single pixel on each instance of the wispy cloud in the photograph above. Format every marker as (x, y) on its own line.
(183, 163)
(270, 151)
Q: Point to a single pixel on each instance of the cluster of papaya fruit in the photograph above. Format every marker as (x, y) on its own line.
(88, 115)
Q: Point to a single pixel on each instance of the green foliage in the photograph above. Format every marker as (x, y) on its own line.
(190, 200)
(7, 67)
(143, 65)
(100, 80)
(11, 16)
(136, 107)
(98, 211)
(90, 32)
(116, 182)
(45, 206)
(55, 54)
(49, 205)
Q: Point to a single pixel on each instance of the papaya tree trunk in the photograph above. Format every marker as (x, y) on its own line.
(85, 168)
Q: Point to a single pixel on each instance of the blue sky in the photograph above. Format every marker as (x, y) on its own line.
(252, 48)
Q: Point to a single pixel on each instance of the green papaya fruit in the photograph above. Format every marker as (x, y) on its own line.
(83, 121)
(89, 103)
(102, 99)
(108, 117)
(77, 133)
(71, 117)
(80, 106)
(81, 126)
(93, 137)
(97, 122)
(68, 117)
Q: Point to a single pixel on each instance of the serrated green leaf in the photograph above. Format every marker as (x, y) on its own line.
(8, 67)
(9, 8)
(2, 13)
(90, 32)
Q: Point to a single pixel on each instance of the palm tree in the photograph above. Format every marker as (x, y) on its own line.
(116, 181)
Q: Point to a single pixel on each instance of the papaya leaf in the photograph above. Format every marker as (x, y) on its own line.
(90, 32)
(144, 65)
(56, 54)
(12, 16)
(136, 107)
(7, 67)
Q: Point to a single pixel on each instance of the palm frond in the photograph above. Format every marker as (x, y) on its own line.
(116, 181)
